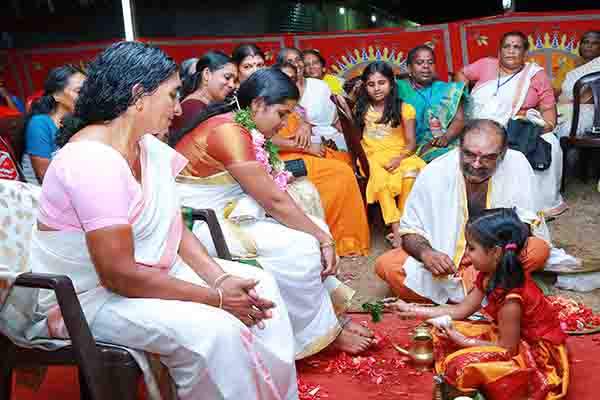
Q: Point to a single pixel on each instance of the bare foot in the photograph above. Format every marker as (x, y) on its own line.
(358, 329)
(351, 343)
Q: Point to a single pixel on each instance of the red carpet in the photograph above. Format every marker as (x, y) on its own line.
(387, 375)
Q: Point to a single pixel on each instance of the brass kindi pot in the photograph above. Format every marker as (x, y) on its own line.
(421, 348)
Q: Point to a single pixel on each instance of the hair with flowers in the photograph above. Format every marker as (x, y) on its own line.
(267, 154)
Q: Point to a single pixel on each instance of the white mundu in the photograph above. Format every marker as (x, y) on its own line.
(291, 256)
(209, 352)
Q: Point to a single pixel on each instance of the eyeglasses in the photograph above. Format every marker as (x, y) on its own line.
(484, 159)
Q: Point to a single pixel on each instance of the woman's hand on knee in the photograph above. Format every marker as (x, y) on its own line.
(241, 300)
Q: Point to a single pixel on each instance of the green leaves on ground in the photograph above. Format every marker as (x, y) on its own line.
(376, 310)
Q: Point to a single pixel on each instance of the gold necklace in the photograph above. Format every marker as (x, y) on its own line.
(57, 121)
(201, 96)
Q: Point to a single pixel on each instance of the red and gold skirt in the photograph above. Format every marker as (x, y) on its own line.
(540, 371)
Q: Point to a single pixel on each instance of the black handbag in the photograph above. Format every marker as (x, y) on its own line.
(524, 136)
(296, 167)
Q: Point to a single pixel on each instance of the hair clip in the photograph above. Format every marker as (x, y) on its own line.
(511, 246)
(231, 100)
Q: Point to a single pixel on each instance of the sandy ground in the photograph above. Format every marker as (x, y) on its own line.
(577, 231)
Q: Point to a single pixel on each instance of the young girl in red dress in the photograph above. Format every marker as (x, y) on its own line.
(520, 352)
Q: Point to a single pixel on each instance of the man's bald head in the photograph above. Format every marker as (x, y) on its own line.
(490, 129)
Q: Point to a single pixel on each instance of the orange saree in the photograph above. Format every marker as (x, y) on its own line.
(340, 195)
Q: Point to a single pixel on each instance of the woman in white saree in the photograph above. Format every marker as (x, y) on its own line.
(315, 101)
(589, 49)
(230, 172)
(110, 219)
(507, 87)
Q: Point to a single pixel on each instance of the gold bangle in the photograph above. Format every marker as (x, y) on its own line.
(219, 281)
(220, 293)
(327, 244)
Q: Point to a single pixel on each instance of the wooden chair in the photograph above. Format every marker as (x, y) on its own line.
(353, 136)
(105, 372)
(360, 162)
(590, 140)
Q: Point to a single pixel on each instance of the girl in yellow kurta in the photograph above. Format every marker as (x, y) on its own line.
(389, 142)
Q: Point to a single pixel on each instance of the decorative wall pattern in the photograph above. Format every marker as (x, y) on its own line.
(554, 40)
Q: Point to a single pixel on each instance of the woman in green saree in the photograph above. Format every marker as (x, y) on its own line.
(440, 116)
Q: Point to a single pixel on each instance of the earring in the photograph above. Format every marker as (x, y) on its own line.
(139, 106)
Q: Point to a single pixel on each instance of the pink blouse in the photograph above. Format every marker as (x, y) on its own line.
(89, 186)
(540, 92)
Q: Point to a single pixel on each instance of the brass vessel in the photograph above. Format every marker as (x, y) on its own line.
(421, 348)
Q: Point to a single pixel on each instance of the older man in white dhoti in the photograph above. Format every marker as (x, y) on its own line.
(482, 173)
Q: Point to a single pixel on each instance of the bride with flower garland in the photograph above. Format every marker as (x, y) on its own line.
(235, 170)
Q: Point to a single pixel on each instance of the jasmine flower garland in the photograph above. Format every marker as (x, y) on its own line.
(266, 152)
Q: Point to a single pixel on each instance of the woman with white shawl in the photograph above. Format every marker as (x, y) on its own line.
(589, 49)
(315, 102)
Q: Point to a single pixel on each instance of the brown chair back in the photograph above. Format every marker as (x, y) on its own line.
(353, 136)
(593, 82)
(589, 142)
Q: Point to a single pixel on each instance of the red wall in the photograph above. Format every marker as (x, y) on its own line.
(553, 36)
